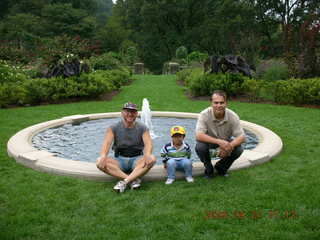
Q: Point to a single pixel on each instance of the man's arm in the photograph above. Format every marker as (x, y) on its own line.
(238, 141)
(225, 147)
(108, 139)
(202, 137)
(147, 151)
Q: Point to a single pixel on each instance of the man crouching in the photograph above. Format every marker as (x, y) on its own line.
(132, 147)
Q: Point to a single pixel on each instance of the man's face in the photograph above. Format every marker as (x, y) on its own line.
(129, 115)
(219, 105)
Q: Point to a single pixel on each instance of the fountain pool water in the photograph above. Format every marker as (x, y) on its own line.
(68, 141)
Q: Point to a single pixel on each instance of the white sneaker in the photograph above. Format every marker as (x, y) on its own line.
(169, 181)
(135, 184)
(190, 179)
(120, 186)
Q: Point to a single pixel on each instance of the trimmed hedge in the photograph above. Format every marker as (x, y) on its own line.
(203, 84)
(297, 91)
(104, 62)
(36, 91)
(291, 91)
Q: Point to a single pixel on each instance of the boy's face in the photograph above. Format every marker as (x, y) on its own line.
(177, 139)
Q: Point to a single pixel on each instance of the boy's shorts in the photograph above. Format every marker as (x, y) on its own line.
(127, 164)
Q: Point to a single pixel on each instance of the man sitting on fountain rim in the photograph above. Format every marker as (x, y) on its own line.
(219, 128)
(132, 145)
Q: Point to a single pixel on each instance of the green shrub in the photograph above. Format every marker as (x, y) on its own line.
(90, 85)
(230, 83)
(184, 74)
(11, 74)
(203, 84)
(11, 79)
(13, 53)
(12, 94)
(272, 70)
(197, 83)
(252, 88)
(54, 89)
(16, 88)
(117, 77)
(197, 56)
(181, 52)
(104, 62)
(297, 91)
(219, 82)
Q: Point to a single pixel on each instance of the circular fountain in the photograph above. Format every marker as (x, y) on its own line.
(20, 147)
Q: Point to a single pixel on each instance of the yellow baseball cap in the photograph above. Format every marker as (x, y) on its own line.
(177, 129)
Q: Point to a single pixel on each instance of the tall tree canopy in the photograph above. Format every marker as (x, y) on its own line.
(156, 28)
(160, 27)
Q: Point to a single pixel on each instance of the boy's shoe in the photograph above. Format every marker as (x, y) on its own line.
(135, 184)
(169, 181)
(190, 179)
(120, 186)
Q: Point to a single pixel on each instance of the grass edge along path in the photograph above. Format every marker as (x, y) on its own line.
(277, 200)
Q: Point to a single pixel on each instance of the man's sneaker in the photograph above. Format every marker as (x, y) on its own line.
(225, 174)
(208, 176)
(135, 184)
(169, 181)
(190, 179)
(120, 186)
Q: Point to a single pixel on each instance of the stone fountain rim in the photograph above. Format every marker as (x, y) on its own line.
(20, 148)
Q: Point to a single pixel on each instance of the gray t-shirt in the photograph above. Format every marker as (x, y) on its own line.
(128, 142)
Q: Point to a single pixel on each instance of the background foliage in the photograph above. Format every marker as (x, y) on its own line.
(254, 29)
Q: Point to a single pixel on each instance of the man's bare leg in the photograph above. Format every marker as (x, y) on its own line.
(111, 167)
(140, 169)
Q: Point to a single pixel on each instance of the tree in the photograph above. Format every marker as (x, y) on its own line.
(4, 8)
(21, 28)
(62, 19)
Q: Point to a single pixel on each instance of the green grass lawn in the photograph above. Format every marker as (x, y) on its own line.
(277, 200)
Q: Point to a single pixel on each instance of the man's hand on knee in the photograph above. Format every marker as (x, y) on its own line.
(102, 162)
(226, 146)
(223, 154)
(149, 161)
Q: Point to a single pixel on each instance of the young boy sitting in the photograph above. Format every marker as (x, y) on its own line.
(176, 155)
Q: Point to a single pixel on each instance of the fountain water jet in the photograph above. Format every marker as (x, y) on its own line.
(146, 117)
